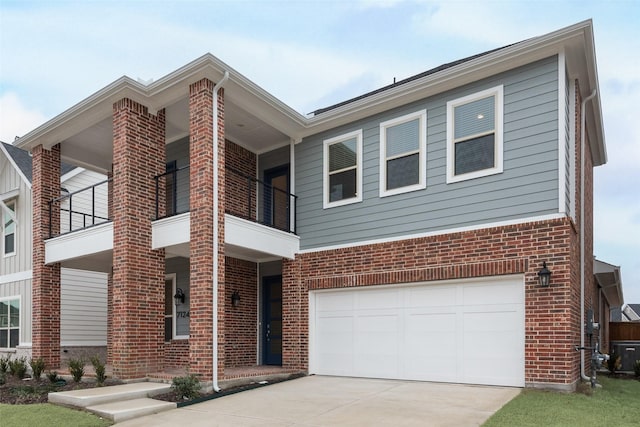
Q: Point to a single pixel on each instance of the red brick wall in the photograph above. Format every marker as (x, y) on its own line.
(237, 190)
(176, 353)
(550, 356)
(138, 272)
(46, 278)
(202, 233)
(241, 321)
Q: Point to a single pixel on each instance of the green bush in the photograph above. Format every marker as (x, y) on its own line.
(18, 367)
(636, 368)
(76, 369)
(53, 376)
(614, 363)
(3, 378)
(187, 387)
(4, 364)
(100, 369)
(37, 367)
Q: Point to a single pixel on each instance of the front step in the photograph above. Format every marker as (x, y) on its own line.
(100, 395)
(129, 409)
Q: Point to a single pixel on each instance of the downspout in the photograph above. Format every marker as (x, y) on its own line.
(582, 173)
(216, 204)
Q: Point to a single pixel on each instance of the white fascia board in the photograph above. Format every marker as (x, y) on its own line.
(171, 231)
(80, 243)
(247, 234)
(75, 172)
(16, 277)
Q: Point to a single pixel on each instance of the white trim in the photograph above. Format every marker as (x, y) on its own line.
(422, 153)
(434, 233)
(15, 166)
(357, 134)
(80, 243)
(12, 217)
(16, 277)
(174, 313)
(562, 133)
(71, 174)
(171, 231)
(82, 343)
(8, 327)
(498, 93)
(292, 183)
(572, 150)
(256, 237)
(11, 194)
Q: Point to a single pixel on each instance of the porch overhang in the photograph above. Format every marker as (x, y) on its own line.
(88, 249)
(609, 280)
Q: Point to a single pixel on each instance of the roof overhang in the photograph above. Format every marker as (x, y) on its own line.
(609, 280)
(575, 42)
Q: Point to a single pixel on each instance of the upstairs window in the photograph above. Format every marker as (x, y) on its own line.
(474, 135)
(343, 170)
(403, 147)
(9, 229)
(9, 322)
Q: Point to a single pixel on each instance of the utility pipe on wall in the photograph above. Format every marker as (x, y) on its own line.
(218, 86)
(582, 262)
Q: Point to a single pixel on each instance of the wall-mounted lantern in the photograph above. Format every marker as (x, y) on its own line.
(178, 298)
(544, 275)
(235, 298)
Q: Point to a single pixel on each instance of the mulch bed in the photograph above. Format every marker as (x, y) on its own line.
(27, 391)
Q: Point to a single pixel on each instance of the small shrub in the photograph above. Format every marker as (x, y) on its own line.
(37, 367)
(3, 378)
(4, 364)
(636, 368)
(53, 376)
(18, 367)
(187, 387)
(76, 369)
(100, 369)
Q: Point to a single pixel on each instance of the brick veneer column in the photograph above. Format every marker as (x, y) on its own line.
(138, 271)
(46, 278)
(202, 228)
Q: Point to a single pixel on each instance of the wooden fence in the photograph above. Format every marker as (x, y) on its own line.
(624, 331)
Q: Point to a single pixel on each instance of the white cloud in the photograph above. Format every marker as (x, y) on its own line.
(15, 118)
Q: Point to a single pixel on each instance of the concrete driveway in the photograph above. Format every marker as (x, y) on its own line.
(338, 401)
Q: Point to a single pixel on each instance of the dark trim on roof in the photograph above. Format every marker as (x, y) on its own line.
(410, 79)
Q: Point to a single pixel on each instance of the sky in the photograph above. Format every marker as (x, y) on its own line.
(314, 53)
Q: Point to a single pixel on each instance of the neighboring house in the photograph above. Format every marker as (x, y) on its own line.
(83, 294)
(627, 313)
(399, 234)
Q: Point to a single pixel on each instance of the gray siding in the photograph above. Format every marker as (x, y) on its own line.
(527, 187)
(179, 151)
(85, 203)
(83, 308)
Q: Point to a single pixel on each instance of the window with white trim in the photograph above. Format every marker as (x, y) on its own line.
(9, 229)
(342, 160)
(176, 316)
(9, 322)
(403, 154)
(474, 135)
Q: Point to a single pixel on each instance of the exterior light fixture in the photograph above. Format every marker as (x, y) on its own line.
(235, 299)
(178, 298)
(544, 275)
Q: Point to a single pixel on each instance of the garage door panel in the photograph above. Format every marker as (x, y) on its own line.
(451, 333)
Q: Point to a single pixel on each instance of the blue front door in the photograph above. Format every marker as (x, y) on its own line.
(272, 320)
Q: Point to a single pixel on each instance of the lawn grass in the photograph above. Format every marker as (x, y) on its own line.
(45, 414)
(617, 403)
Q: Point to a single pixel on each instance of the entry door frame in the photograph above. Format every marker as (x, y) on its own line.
(268, 358)
(267, 205)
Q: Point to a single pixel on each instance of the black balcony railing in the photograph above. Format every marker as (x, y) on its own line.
(80, 209)
(246, 197)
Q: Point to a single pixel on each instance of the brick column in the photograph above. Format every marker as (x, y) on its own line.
(202, 227)
(110, 276)
(46, 278)
(295, 315)
(137, 327)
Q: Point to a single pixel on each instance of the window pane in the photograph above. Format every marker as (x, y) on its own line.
(4, 335)
(14, 338)
(403, 171)
(474, 154)
(168, 297)
(342, 155)
(4, 314)
(168, 329)
(342, 185)
(475, 117)
(14, 313)
(403, 138)
(9, 244)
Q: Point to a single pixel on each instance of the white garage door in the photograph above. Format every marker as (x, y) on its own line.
(463, 332)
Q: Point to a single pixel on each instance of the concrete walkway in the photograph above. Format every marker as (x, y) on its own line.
(334, 401)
